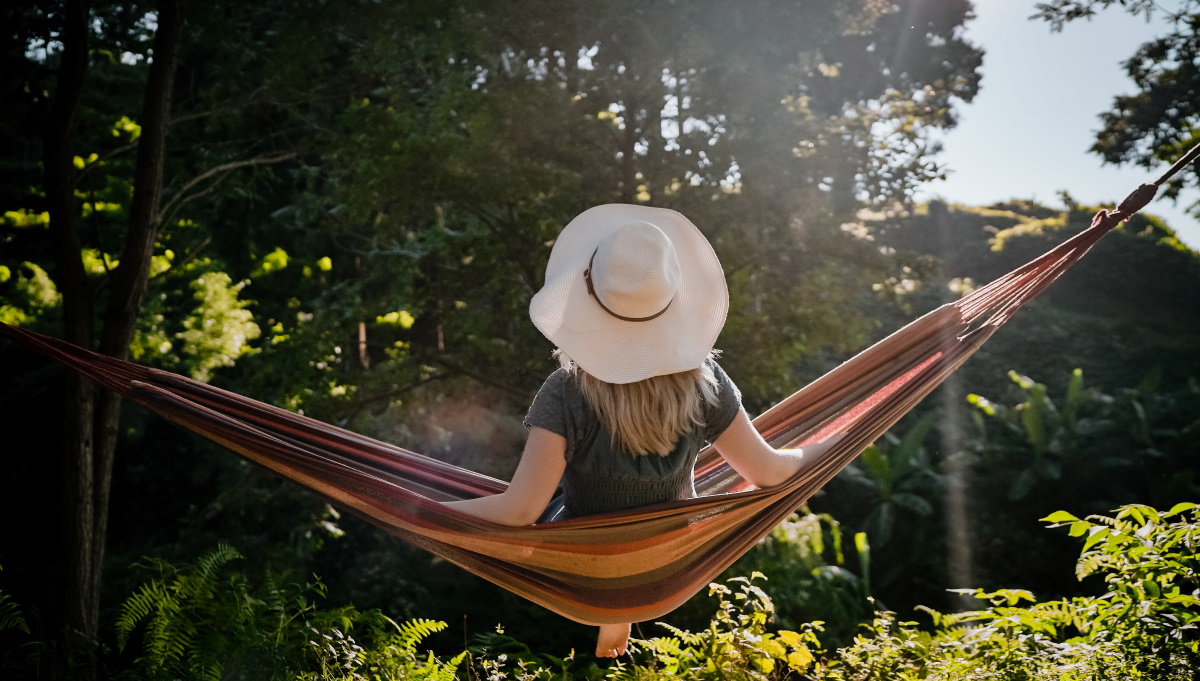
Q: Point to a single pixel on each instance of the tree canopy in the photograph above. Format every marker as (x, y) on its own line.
(1160, 121)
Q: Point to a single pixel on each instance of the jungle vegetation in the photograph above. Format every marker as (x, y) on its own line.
(342, 208)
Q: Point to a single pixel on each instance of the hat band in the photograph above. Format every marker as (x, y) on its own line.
(587, 276)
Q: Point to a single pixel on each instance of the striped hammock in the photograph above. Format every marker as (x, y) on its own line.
(618, 567)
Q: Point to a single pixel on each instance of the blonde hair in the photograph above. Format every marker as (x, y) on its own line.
(648, 416)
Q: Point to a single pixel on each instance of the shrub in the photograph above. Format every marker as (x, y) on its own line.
(1142, 627)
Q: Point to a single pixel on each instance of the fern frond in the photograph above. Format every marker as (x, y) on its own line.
(201, 581)
(414, 631)
(149, 598)
(448, 671)
(686, 637)
(10, 615)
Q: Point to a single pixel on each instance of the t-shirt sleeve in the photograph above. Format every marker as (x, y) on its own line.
(717, 417)
(550, 410)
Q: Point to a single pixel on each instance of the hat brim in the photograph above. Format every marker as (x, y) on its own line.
(618, 351)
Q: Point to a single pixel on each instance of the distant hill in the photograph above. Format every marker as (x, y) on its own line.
(1130, 306)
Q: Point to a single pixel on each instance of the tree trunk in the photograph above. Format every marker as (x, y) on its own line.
(90, 416)
(78, 606)
(131, 278)
(629, 139)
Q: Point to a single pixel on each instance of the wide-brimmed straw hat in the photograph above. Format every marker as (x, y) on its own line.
(632, 292)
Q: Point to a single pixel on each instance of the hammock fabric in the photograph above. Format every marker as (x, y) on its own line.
(619, 567)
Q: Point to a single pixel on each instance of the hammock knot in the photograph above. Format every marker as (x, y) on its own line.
(1136, 201)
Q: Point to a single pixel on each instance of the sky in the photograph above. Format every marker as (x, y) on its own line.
(1027, 133)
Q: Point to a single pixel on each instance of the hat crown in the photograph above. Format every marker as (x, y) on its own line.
(635, 271)
(655, 304)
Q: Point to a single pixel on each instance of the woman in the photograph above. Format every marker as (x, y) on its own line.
(634, 300)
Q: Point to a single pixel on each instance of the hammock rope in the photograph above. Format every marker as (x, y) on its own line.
(619, 567)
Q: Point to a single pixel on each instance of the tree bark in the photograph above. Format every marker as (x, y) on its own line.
(90, 416)
(131, 278)
(629, 139)
(78, 605)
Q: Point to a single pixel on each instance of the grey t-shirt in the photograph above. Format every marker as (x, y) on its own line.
(601, 478)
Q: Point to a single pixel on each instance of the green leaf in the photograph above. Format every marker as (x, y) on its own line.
(914, 503)
(863, 547)
(911, 443)
(1059, 517)
(982, 403)
(1180, 508)
(1096, 535)
(1074, 397)
(1024, 381)
(878, 465)
(1035, 428)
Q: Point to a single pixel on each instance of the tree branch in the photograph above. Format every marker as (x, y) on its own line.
(251, 98)
(361, 404)
(187, 257)
(110, 154)
(182, 196)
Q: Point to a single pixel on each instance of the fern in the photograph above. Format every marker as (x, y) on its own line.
(435, 671)
(182, 614)
(10, 615)
(414, 631)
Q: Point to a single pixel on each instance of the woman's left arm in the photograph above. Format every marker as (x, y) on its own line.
(762, 465)
(532, 487)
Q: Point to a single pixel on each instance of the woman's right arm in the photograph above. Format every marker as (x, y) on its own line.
(532, 487)
(759, 463)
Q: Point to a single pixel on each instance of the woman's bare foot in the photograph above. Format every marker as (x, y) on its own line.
(612, 640)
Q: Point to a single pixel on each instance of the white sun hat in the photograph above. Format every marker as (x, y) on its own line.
(632, 292)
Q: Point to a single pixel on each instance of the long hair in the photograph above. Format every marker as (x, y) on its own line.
(647, 416)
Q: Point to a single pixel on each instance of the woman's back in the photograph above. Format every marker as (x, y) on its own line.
(602, 476)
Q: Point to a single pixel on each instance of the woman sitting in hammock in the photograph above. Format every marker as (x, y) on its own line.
(634, 300)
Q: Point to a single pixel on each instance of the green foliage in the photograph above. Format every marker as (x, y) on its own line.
(219, 330)
(272, 262)
(200, 625)
(892, 495)
(1143, 627)
(1041, 428)
(33, 294)
(736, 645)
(1150, 566)
(1158, 122)
(207, 621)
(203, 621)
(189, 616)
(803, 561)
(333, 655)
(897, 474)
(1140, 429)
